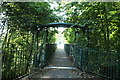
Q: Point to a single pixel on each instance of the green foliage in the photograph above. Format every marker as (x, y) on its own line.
(100, 21)
(99, 36)
(94, 60)
(22, 23)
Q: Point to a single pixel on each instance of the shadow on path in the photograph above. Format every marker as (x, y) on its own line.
(60, 59)
(61, 66)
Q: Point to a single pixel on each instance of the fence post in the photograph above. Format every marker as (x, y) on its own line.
(80, 58)
(118, 63)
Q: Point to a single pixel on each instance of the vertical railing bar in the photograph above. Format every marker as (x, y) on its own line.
(103, 57)
(118, 66)
(108, 64)
(7, 76)
(20, 61)
(9, 72)
(110, 73)
(26, 59)
(97, 54)
(81, 58)
(23, 62)
(114, 67)
(15, 61)
(11, 63)
(105, 65)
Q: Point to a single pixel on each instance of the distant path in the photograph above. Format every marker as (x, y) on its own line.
(61, 59)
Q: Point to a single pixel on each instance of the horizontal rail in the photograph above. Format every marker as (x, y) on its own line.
(100, 62)
(17, 63)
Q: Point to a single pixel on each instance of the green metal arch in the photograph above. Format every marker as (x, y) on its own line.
(67, 25)
(57, 24)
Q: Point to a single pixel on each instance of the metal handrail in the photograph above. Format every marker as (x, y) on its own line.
(103, 63)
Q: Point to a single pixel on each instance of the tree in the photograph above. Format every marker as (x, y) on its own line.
(24, 35)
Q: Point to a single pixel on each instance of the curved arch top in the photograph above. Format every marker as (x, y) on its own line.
(67, 25)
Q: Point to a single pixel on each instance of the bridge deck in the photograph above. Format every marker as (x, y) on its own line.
(61, 66)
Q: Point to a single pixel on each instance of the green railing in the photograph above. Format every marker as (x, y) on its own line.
(45, 52)
(50, 49)
(100, 62)
(17, 63)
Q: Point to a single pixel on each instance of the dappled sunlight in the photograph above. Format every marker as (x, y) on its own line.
(55, 67)
(60, 38)
(61, 35)
(61, 46)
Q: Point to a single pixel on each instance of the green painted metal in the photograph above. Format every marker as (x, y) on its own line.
(60, 25)
(100, 62)
(44, 52)
(18, 61)
(67, 25)
(19, 66)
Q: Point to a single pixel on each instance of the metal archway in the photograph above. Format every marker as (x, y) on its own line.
(57, 24)
(67, 25)
(39, 28)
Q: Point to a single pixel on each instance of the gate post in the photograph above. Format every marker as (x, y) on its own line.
(35, 50)
(81, 59)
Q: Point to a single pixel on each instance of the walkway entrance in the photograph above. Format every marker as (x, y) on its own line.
(61, 66)
(74, 62)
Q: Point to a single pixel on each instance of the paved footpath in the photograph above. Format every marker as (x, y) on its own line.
(61, 59)
(60, 67)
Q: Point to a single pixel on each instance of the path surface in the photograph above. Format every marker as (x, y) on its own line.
(61, 59)
(60, 64)
(60, 67)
